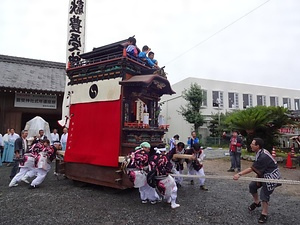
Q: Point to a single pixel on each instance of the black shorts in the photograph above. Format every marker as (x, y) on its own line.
(264, 192)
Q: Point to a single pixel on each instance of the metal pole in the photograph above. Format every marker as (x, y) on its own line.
(219, 124)
(219, 102)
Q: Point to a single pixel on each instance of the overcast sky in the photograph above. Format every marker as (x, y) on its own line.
(243, 41)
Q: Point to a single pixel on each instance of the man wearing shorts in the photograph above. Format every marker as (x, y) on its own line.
(265, 166)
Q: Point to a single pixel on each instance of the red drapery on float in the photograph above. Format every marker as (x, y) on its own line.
(94, 133)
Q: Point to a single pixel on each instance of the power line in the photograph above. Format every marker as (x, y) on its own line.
(217, 32)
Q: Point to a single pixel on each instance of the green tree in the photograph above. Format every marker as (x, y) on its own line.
(259, 121)
(191, 112)
(217, 125)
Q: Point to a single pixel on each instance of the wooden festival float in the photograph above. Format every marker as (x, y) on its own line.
(113, 103)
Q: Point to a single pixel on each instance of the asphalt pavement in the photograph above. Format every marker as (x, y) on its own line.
(62, 201)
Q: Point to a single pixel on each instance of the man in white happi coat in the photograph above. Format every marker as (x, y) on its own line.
(161, 168)
(195, 166)
(42, 163)
(137, 167)
(64, 139)
(27, 165)
(54, 137)
(177, 163)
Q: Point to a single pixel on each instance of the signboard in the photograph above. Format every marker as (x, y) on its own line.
(26, 100)
(139, 110)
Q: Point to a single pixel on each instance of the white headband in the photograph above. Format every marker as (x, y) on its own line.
(159, 150)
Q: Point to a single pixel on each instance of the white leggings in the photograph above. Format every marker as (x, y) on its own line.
(199, 173)
(40, 176)
(178, 179)
(147, 192)
(21, 174)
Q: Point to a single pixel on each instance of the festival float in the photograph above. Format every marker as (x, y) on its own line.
(111, 105)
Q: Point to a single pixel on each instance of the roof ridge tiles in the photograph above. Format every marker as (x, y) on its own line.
(32, 62)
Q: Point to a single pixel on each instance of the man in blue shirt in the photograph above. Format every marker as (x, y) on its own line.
(151, 56)
(143, 56)
(193, 139)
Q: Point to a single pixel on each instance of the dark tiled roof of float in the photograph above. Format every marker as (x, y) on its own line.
(31, 74)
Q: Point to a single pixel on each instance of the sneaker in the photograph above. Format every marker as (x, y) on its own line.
(230, 170)
(238, 170)
(153, 202)
(203, 188)
(25, 180)
(32, 187)
(144, 201)
(13, 185)
(192, 182)
(263, 218)
(254, 206)
(174, 205)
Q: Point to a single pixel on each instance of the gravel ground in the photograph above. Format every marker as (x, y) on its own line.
(65, 202)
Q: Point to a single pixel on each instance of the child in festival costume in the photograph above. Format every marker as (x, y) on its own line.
(195, 166)
(177, 163)
(161, 167)
(131, 48)
(137, 168)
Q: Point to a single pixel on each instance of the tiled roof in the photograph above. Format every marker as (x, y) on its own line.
(31, 74)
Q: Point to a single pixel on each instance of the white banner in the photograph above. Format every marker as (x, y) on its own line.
(39, 101)
(75, 46)
(76, 31)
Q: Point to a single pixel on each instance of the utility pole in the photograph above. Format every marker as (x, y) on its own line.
(219, 119)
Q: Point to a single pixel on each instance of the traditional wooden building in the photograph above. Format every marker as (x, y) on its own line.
(30, 88)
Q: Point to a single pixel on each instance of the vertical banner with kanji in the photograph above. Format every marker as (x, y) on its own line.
(76, 31)
(75, 46)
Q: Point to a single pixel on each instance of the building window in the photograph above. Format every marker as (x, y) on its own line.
(233, 100)
(297, 104)
(274, 101)
(247, 101)
(204, 98)
(286, 103)
(217, 98)
(261, 100)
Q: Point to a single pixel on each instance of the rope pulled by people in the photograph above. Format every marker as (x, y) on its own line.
(278, 181)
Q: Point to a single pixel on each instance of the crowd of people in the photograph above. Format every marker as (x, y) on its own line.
(150, 169)
(264, 165)
(30, 156)
(146, 55)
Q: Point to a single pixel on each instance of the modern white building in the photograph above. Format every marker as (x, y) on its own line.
(230, 96)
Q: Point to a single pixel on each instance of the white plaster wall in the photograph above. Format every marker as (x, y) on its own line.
(172, 102)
